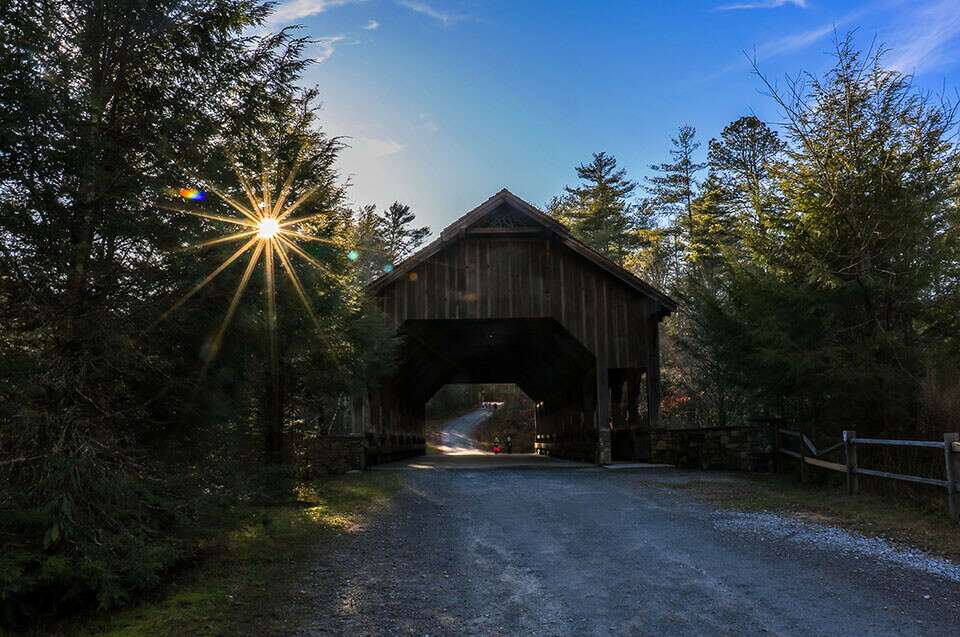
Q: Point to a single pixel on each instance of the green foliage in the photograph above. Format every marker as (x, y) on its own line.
(255, 558)
(818, 267)
(384, 239)
(119, 433)
(600, 212)
(674, 185)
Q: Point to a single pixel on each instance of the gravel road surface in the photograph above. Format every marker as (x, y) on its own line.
(561, 549)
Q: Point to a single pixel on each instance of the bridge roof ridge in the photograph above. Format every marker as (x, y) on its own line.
(455, 231)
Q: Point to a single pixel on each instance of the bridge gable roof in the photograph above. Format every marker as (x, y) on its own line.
(505, 212)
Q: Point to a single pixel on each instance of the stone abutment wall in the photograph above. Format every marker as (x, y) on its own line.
(738, 448)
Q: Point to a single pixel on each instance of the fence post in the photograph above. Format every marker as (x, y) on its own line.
(803, 459)
(953, 473)
(850, 454)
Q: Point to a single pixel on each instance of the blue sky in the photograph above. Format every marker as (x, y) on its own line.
(447, 102)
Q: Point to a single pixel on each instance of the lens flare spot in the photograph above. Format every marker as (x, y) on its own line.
(192, 194)
(353, 255)
(268, 228)
(412, 277)
(388, 268)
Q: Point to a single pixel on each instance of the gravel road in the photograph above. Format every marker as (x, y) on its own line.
(557, 549)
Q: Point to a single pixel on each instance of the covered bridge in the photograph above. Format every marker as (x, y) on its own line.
(507, 295)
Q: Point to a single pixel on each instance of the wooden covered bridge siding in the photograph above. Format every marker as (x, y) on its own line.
(506, 294)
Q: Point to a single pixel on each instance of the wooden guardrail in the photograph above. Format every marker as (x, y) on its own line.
(808, 454)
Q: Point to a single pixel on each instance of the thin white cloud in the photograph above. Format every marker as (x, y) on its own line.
(372, 25)
(427, 123)
(803, 39)
(796, 41)
(296, 9)
(792, 42)
(929, 40)
(377, 148)
(762, 4)
(444, 17)
(326, 46)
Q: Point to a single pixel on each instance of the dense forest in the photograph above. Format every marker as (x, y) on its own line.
(815, 260)
(124, 423)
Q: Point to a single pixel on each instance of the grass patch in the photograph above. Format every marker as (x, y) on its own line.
(252, 565)
(925, 525)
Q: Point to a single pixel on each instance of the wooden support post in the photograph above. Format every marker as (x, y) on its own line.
(653, 372)
(952, 458)
(850, 454)
(603, 414)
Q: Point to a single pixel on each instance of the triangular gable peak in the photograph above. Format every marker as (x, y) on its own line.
(505, 213)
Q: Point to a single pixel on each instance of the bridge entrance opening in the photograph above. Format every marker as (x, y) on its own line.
(474, 419)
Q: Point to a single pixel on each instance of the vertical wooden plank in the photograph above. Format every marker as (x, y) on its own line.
(516, 276)
(580, 307)
(487, 276)
(635, 332)
(498, 289)
(604, 320)
(554, 282)
(525, 293)
(461, 273)
(534, 297)
(523, 282)
(447, 283)
(564, 319)
(468, 272)
(481, 277)
(625, 333)
(508, 255)
(592, 308)
(433, 295)
(618, 325)
(540, 265)
(423, 289)
(477, 288)
(436, 300)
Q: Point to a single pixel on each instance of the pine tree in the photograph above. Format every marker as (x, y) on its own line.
(373, 258)
(673, 191)
(399, 236)
(600, 212)
(108, 108)
(675, 187)
(740, 165)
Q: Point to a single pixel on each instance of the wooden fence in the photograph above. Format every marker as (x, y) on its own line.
(808, 454)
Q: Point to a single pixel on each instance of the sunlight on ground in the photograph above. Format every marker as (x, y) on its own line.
(460, 451)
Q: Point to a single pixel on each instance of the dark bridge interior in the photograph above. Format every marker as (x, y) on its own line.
(541, 357)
